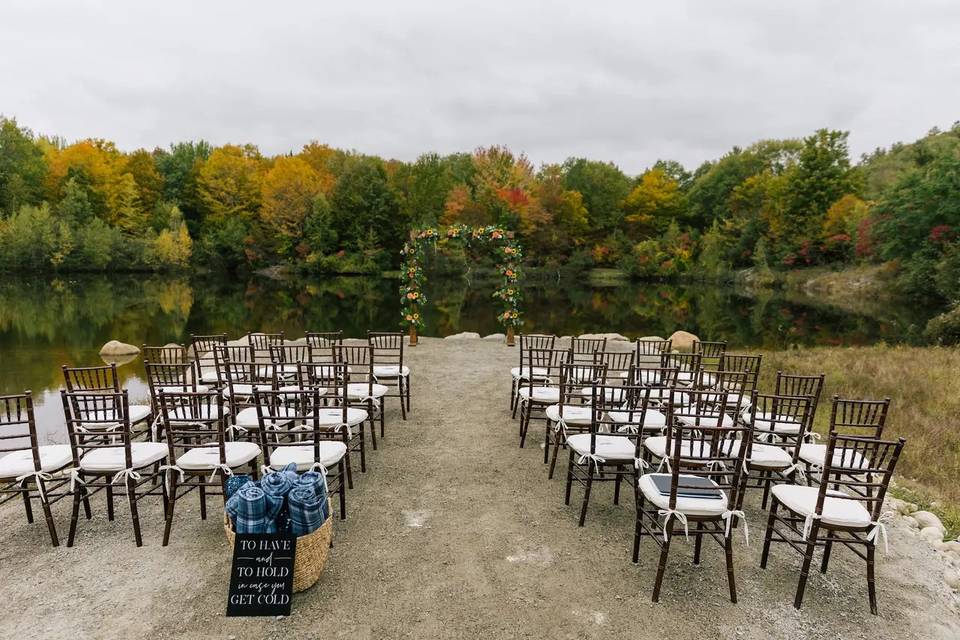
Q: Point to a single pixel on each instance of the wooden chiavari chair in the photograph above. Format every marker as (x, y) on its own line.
(310, 444)
(239, 376)
(27, 468)
(862, 418)
(537, 393)
(285, 360)
(711, 354)
(799, 385)
(519, 374)
(687, 365)
(701, 492)
(344, 421)
(583, 349)
(167, 354)
(705, 408)
(389, 368)
(362, 389)
(775, 453)
(261, 342)
(857, 471)
(171, 377)
(204, 349)
(196, 426)
(609, 450)
(572, 414)
(104, 454)
(104, 379)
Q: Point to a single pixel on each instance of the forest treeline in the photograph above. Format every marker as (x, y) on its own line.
(774, 205)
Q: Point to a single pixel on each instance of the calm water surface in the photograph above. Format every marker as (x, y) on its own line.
(48, 322)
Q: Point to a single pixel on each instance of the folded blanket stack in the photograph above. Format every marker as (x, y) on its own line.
(281, 502)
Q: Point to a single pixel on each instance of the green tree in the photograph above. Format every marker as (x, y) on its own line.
(603, 187)
(22, 167)
(364, 209)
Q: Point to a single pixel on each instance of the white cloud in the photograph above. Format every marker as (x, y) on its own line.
(618, 81)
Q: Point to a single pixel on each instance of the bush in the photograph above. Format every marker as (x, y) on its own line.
(944, 329)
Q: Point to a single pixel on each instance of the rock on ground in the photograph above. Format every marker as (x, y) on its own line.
(683, 341)
(495, 336)
(614, 337)
(117, 348)
(464, 335)
(926, 519)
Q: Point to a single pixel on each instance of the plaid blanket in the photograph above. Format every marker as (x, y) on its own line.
(253, 510)
(235, 482)
(279, 483)
(307, 510)
(318, 482)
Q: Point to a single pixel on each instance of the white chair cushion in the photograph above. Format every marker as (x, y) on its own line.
(333, 416)
(572, 413)
(610, 448)
(360, 390)
(706, 421)
(838, 510)
(390, 371)
(521, 374)
(652, 419)
(203, 413)
(53, 457)
(816, 454)
(204, 458)
(209, 375)
(283, 370)
(137, 413)
(112, 458)
(782, 424)
(764, 456)
(541, 394)
(702, 507)
(248, 417)
(680, 398)
(180, 388)
(331, 452)
(246, 390)
(612, 394)
(688, 449)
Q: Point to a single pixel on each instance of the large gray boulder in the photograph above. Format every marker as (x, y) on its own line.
(116, 348)
(683, 340)
(464, 335)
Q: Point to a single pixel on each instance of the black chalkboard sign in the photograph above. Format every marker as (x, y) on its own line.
(261, 579)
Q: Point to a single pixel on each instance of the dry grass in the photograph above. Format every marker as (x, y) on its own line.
(923, 384)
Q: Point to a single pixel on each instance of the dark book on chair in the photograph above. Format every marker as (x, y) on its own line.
(689, 487)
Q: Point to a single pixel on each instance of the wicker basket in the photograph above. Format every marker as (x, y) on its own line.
(312, 552)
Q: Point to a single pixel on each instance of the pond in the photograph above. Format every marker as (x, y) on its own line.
(46, 322)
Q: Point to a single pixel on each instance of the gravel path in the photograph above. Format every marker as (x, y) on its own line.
(456, 532)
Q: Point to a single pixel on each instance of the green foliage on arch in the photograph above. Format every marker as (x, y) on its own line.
(500, 242)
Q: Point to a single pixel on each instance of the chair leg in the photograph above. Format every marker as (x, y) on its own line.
(134, 513)
(349, 468)
(697, 544)
(383, 417)
(403, 405)
(203, 501)
(172, 499)
(516, 401)
(871, 583)
(662, 566)
(827, 548)
(74, 516)
(86, 502)
(768, 534)
(767, 481)
(637, 532)
(805, 569)
(525, 412)
(47, 515)
(363, 451)
(566, 499)
(406, 384)
(110, 501)
(616, 484)
(556, 451)
(546, 442)
(586, 493)
(731, 580)
(343, 492)
(27, 506)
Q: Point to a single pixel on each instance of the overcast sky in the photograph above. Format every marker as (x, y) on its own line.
(629, 82)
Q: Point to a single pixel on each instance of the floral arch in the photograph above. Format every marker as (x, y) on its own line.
(500, 242)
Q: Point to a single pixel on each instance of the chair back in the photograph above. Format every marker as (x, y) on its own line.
(91, 378)
(585, 348)
(549, 361)
(626, 409)
(576, 378)
(97, 420)
(388, 346)
(861, 468)
(18, 426)
(323, 342)
(650, 351)
(798, 385)
(299, 424)
(780, 420)
(168, 354)
(204, 349)
(865, 418)
(687, 365)
(324, 376)
(192, 419)
(535, 341)
(711, 353)
(618, 364)
(741, 362)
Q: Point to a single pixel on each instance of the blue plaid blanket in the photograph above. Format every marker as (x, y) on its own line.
(318, 481)
(235, 482)
(279, 483)
(253, 510)
(307, 510)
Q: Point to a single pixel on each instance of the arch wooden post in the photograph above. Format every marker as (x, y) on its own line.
(510, 337)
(413, 336)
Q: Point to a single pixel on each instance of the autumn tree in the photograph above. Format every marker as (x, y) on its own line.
(289, 190)
(653, 204)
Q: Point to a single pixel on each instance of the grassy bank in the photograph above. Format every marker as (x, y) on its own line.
(924, 388)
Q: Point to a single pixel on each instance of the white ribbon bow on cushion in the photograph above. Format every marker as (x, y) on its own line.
(39, 478)
(224, 468)
(596, 459)
(728, 517)
(671, 513)
(167, 468)
(879, 530)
